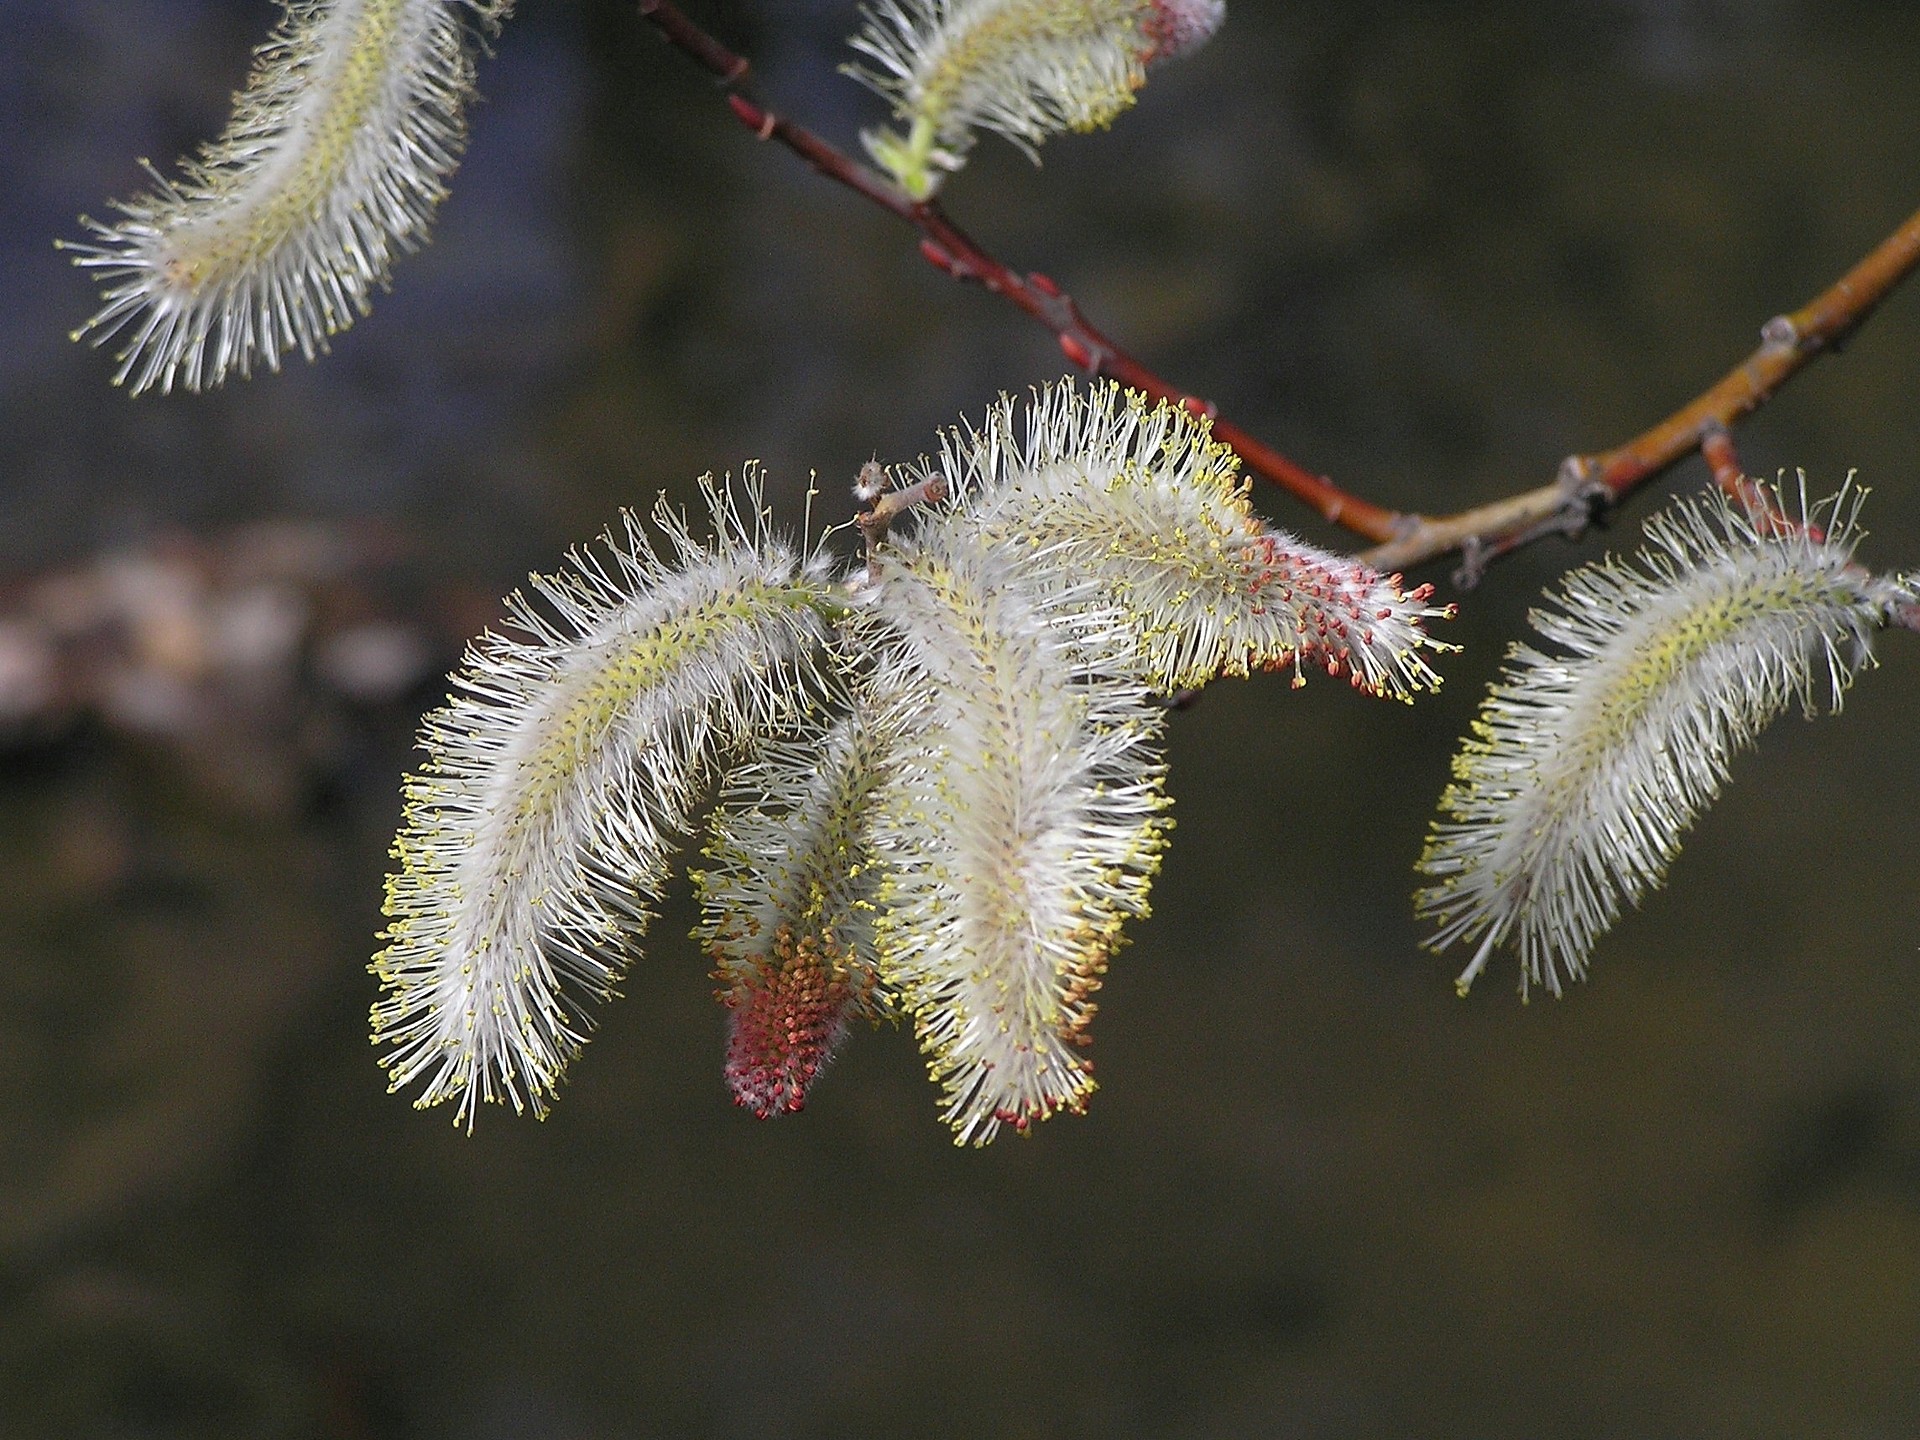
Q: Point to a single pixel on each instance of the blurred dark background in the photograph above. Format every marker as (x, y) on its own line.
(1428, 248)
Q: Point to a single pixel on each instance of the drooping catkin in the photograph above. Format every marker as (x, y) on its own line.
(1588, 764)
(787, 902)
(276, 236)
(1020, 825)
(558, 779)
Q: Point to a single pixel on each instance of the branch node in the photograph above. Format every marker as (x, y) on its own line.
(940, 258)
(1586, 510)
(748, 113)
(1573, 474)
(880, 507)
(1780, 333)
(1716, 448)
(1473, 563)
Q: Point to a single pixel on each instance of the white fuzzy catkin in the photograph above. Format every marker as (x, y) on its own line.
(1586, 767)
(277, 234)
(1142, 500)
(1020, 824)
(941, 789)
(558, 781)
(1025, 68)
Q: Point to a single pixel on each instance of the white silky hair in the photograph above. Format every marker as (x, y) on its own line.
(1020, 825)
(1139, 497)
(1026, 69)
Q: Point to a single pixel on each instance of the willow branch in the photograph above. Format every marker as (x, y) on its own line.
(1588, 484)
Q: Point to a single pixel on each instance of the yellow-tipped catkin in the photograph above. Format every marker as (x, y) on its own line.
(276, 236)
(1586, 766)
(558, 781)
(1139, 498)
(1026, 68)
(1020, 823)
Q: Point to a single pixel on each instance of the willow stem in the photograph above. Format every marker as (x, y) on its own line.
(1586, 486)
(1587, 483)
(947, 247)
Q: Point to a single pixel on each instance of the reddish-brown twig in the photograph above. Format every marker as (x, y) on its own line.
(946, 246)
(1716, 448)
(1730, 478)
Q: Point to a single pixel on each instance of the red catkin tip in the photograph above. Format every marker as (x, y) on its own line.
(788, 1017)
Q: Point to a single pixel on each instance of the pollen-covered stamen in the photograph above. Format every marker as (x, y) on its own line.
(788, 1015)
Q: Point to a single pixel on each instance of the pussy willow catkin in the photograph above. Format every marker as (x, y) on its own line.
(558, 782)
(940, 791)
(1027, 69)
(1588, 764)
(276, 236)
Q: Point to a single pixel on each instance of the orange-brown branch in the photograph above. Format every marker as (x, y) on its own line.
(1788, 343)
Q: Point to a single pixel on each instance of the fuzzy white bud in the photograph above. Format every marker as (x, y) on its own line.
(1025, 68)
